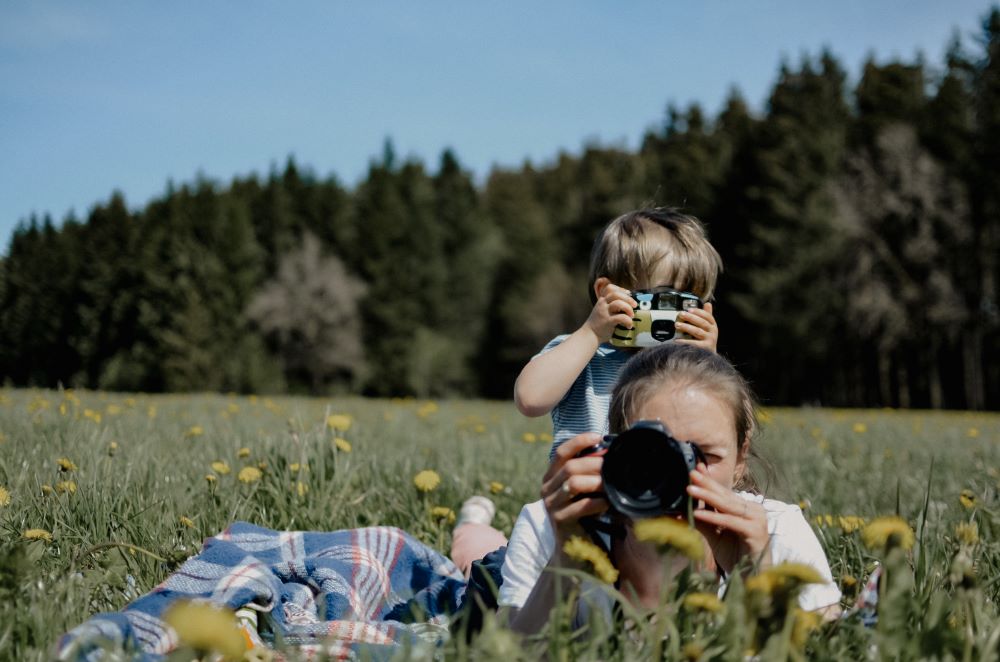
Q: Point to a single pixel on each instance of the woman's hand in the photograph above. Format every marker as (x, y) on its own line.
(733, 526)
(568, 478)
(699, 324)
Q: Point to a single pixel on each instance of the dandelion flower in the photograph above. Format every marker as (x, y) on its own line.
(66, 465)
(546, 437)
(848, 581)
(783, 580)
(112, 448)
(301, 488)
(669, 532)
(804, 623)
(972, 433)
(262, 465)
(186, 521)
(114, 410)
(587, 552)
(427, 480)
(4, 497)
(294, 467)
(529, 437)
(443, 513)
(221, 468)
(703, 602)
(339, 422)
(496, 487)
(427, 409)
(886, 532)
(860, 428)
(37, 534)
(479, 429)
(66, 487)
(243, 452)
(249, 475)
(210, 478)
(95, 416)
(46, 490)
(194, 431)
(692, 651)
(968, 499)
(204, 626)
(966, 532)
(850, 523)
(342, 445)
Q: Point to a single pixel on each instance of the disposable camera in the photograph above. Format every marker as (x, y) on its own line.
(645, 470)
(653, 319)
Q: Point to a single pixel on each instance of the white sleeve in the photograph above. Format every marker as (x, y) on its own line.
(531, 544)
(794, 540)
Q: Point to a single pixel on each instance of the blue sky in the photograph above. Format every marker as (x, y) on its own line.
(125, 95)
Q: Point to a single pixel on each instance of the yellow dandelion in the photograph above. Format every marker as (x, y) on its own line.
(210, 478)
(186, 521)
(194, 431)
(427, 480)
(233, 408)
(529, 437)
(669, 532)
(968, 499)
(113, 410)
(204, 626)
(112, 448)
(151, 411)
(967, 533)
(805, 504)
(4, 497)
(848, 581)
(249, 475)
(47, 490)
(804, 623)
(496, 487)
(294, 467)
(339, 422)
(342, 444)
(243, 452)
(66, 465)
(301, 488)
(972, 433)
(427, 409)
(262, 465)
(585, 551)
(443, 513)
(95, 416)
(692, 651)
(850, 523)
(887, 532)
(220, 468)
(66, 487)
(709, 602)
(783, 580)
(546, 437)
(62, 409)
(860, 428)
(37, 534)
(479, 429)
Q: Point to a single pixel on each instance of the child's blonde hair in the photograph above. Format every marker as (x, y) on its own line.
(636, 247)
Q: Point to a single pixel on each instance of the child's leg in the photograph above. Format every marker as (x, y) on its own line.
(473, 537)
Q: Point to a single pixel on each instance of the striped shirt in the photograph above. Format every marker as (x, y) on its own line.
(585, 406)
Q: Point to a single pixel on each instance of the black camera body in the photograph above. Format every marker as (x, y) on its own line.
(645, 470)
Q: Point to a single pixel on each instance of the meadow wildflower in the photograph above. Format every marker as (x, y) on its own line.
(220, 468)
(294, 467)
(698, 601)
(764, 416)
(95, 416)
(967, 533)
(210, 479)
(692, 651)
(427, 409)
(151, 411)
(479, 429)
(112, 448)
(339, 422)
(37, 534)
(972, 433)
(66, 487)
(301, 488)
(968, 499)
(66, 465)
(243, 452)
(342, 444)
(529, 437)
(262, 465)
(585, 551)
(804, 623)
(443, 513)
(186, 521)
(427, 480)
(47, 490)
(783, 580)
(850, 523)
(113, 410)
(672, 533)
(848, 581)
(249, 475)
(860, 428)
(4, 497)
(204, 627)
(496, 487)
(194, 431)
(887, 532)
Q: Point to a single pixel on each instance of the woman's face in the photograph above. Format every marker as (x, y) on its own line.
(691, 414)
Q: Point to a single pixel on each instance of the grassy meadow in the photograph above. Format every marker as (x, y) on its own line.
(127, 486)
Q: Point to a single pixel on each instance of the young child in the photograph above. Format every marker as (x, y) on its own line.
(574, 374)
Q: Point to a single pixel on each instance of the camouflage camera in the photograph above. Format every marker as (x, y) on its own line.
(653, 320)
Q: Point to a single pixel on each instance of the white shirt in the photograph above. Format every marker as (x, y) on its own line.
(533, 541)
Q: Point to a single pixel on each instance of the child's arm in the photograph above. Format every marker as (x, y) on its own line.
(545, 379)
(699, 323)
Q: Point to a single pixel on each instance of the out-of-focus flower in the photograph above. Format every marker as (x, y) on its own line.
(4, 497)
(850, 523)
(860, 428)
(301, 488)
(546, 437)
(243, 452)
(342, 444)
(210, 479)
(194, 431)
(112, 448)
(427, 480)
(220, 468)
(294, 467)
(186, 521)
(249, 475)
(968, 499)
(427, 409)
(66, 465)
(95, 416)
(783, 581)
(888, 532)
(803, 625)
(66, 487)
(496, 487)
(47, 490)
(703, 602)
(972, 433)
(529, 437)
(587, 552)
(339, 422)
(967, 533)
(443, 513)
(113, 410)
(204, 626)
(848, 581)
(37, 534)
(672, 533)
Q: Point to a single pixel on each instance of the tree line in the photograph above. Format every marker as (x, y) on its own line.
(859, 228)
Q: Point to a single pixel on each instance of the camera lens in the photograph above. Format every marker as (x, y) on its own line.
(645, 474)
(662, 330)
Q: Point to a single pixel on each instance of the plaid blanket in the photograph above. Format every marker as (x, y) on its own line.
(342, 594)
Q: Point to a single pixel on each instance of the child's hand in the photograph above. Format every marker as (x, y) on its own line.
(614, 307)
(699, 324)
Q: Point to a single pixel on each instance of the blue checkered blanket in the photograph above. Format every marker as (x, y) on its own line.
(342, 594)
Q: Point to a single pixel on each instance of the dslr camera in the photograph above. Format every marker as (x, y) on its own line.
(645, 470)
(653, 319)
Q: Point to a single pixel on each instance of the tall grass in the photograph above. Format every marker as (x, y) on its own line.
(142, 504)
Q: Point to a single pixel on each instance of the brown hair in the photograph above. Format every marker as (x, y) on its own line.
(633, 248)
(686, 365)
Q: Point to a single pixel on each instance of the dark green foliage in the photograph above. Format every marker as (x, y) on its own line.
(859, 229)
